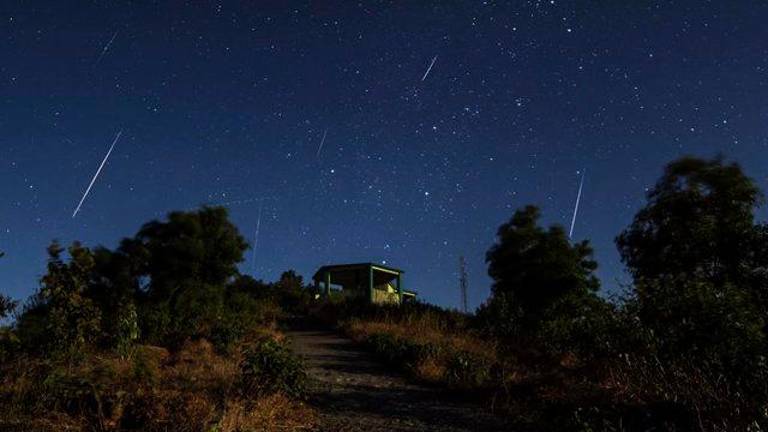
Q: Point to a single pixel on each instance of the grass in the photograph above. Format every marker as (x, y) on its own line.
(192, 389)
(460, 360)
(542, 390)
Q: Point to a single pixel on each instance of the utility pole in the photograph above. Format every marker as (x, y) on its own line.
(463, 284)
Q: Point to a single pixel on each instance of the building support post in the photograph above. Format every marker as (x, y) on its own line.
(370, 283)
(328, 284)
(400, 288)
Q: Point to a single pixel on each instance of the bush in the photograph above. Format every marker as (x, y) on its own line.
(433, 345)
(61, 318)
(467, 370)
(270, 367)
(9, 344)
(586, 326)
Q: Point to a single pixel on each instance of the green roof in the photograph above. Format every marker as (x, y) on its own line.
(355, 266)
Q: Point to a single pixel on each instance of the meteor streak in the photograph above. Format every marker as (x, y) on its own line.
(434, 59)
(576, 208)
(95, 176)
(106, 47)
(256, 238)
(322, 141)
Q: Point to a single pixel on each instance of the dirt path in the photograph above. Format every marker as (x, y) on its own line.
(353, 392)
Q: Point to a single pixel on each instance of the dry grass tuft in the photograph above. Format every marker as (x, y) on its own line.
(431, 350)
(192, 389)
(269, 413)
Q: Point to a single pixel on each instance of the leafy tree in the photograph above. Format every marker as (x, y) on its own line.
(290, 292)
(697, 222)
(113, 289)
(7, 306)
(247, 303)
(203, 246)
(246, 285)
(290, 281)
(8, 339)
(583, 324)
(699, 264)
(61, 316)
(533, 268)
(180, 268)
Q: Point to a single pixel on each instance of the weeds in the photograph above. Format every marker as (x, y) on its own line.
(192, 389)
(269, 367)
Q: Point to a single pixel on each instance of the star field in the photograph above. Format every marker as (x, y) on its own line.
(317, 114)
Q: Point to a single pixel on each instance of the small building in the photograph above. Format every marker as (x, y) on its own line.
(377, 283)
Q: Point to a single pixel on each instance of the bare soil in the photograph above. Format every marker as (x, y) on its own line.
(354, 392)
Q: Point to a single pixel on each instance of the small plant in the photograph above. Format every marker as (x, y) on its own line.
(467, 370)
(270, 367)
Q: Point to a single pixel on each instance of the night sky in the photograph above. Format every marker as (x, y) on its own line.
(228, 103)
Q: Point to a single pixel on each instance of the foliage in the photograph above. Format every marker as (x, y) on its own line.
(291, 293)
(290, 281)
(427, 342)
(113, 289)
(269, 367)
(187, 262)
(532, 269)
(7, 306)
(247, 305)
(685, 350)
(175, 284)
(698, 261)
(192, 389)
(61, 317)
(203, 246)
(697, 222)
(127, 329)
(718, 326)
(587, 326)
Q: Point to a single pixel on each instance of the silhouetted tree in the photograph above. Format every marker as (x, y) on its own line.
(247, 285)
(181, 268)
(203, 246)
(699, 264)
(697, 224)
(114, 288)
(7, 306)
(61, 317)
(533, 269)
(289, 280)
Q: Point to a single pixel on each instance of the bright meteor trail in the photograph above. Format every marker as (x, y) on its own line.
(95, 176)
(256, 238)
(322, 141)
(106, 47)
(576, 208)
(434, 59)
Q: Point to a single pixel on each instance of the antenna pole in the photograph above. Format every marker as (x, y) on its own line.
(463, 284)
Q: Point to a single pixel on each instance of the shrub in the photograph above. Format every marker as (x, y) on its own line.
(533, 268)
(9, 344)
(7, 306)
(417, 342)
(145, 367)
(61, 318)
(270, 367)
(467, 370)
(586, 326)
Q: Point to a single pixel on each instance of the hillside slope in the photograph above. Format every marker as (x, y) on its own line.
(353, 392)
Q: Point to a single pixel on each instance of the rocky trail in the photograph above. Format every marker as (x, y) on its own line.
(354, 392)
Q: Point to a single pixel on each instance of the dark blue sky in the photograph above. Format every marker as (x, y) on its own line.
(228, 102)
